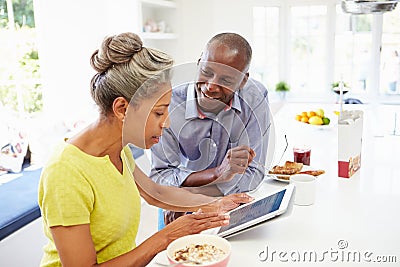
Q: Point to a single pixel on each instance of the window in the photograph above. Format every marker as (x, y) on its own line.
(353, 42)
(20, 83)
(308, 47)
(265, 66)
(312, 44)
(390, 54)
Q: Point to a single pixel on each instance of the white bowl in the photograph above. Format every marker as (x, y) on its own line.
(200, 239)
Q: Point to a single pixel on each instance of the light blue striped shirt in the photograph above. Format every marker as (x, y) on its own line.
(193, 143)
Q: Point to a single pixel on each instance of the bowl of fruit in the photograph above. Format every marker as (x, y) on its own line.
(315, 118)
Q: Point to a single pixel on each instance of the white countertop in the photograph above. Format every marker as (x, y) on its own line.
(354, 221)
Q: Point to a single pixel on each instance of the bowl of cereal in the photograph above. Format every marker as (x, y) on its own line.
(200, 250)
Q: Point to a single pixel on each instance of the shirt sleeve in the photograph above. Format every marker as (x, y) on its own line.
(256, 135)
(166, 168)
(65, 196)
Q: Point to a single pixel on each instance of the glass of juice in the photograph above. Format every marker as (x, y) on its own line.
(302, 155)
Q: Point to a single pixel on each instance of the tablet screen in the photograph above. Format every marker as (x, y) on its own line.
(254, 210)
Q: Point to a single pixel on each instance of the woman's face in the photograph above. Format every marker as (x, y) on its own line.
(144, 123)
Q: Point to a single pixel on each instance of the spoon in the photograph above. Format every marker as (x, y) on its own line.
(266, 169)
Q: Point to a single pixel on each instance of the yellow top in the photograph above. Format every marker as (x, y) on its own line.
(77, 188)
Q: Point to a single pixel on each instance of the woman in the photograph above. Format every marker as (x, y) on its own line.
(89, 191)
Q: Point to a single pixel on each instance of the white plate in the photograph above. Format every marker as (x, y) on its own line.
(161, 258)
(275, 176)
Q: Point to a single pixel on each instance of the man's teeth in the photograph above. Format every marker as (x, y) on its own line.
(209, 96)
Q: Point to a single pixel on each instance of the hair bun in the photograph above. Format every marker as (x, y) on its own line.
(116, 49)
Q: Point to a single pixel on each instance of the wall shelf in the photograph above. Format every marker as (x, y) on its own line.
(158, 24)
(158, 17)
(159, 3)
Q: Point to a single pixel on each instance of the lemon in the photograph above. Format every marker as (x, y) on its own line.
(310, 114)
(304, 119)
(320, 112)
(315, 120)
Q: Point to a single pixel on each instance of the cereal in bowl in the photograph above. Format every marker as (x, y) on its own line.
(203, 253)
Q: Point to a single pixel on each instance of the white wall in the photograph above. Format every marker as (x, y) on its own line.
(198, 22)
(203, 19)
(68, 34)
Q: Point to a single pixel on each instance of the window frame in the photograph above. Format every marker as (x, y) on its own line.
(372, 89)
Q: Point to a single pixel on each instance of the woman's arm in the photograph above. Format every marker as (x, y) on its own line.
(75, 245)
(169, 197)
(180, 199)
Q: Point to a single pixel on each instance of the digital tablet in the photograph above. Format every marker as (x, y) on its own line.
(257, 211)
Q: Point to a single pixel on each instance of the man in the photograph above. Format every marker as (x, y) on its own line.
(218, 125)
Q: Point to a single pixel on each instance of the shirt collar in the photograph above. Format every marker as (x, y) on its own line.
(191, 103)
(192, 110)
(235, 101)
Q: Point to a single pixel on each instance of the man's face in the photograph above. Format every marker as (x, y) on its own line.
(221, 74)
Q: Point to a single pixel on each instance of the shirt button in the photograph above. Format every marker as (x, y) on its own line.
(214, 145)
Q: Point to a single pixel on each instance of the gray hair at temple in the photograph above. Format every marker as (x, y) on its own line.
(123, 66)
(235, 42)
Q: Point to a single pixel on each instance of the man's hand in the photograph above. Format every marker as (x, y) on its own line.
(236, 161)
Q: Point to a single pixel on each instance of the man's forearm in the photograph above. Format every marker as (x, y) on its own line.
(206, 177)
(208, 190)
(201, 178)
